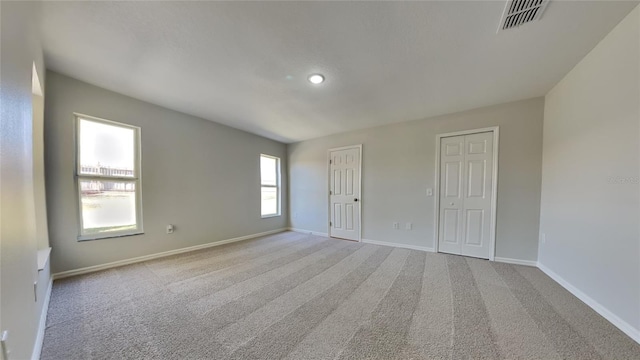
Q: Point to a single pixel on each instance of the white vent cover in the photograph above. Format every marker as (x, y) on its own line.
(518, 12)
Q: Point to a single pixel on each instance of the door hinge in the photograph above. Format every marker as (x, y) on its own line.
(329, 161)
(330, 223)
(330, 192)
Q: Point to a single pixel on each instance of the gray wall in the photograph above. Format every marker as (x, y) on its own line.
(21, 199)
(590, 195)
(201, 176)
(399, 165)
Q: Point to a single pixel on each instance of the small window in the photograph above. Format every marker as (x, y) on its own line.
(108, 178)
(270, 185)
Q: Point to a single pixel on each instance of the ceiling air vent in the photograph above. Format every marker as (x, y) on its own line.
(518, 12)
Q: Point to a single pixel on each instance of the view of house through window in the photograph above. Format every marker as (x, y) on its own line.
(270, 185)
(108, 175)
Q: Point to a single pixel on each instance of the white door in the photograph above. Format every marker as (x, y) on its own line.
(451, 174)
(344, 193)
(466, 185)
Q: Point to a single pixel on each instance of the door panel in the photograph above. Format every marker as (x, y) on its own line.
(345, 194)
(453, 149)
(348, 216)
(337, 216)
(477, 196)
(349, 182)
(451, 163)
(450, 230)
(477, 147)
(452, 178)
(476, 178)
(474, 227)
(466, 171)
(337, 182)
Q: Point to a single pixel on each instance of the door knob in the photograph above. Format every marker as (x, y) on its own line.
(356, 199)
(452, 204)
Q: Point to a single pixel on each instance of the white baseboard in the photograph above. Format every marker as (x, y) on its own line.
(37, 347)
(309, 232)
(516, 261)
(611, 317)
(110, 265)
(404, 246)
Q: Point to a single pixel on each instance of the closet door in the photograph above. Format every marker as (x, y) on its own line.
(477, 190)
(451, 195)
(344, 195)
(466, 176)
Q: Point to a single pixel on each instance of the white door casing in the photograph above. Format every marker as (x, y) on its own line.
(344, 192)
(467, 185)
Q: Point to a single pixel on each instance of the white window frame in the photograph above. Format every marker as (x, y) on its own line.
(276, 186)
(136, 179)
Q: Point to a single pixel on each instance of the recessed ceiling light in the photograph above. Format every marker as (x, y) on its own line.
(316, 79)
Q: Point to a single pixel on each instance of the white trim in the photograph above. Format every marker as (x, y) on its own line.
(110, 265)
(358, 146)
(37, 347)
(494, 195)
(109, 235)
(516, 261)
(468, 132)
(346, 147)
(403, 246)
(624, 326)
(308, 232)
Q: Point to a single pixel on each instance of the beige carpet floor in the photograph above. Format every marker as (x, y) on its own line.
(296, 296)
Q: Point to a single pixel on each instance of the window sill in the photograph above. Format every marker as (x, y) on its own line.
(270, 216)
(107, 236)
(43, 258)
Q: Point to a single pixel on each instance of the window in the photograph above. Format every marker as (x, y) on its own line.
(270, 185)
(108, 178)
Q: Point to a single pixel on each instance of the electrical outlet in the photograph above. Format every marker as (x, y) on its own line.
(396, 225)
(543, 237)
(170, 229)
(429, 192)
(408, 226)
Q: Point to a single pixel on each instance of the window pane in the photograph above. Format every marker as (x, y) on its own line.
(107, 206)
(269, 201)
(106, 149)
(268, 174)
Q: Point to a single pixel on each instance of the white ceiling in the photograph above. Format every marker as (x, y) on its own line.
(245, 64)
